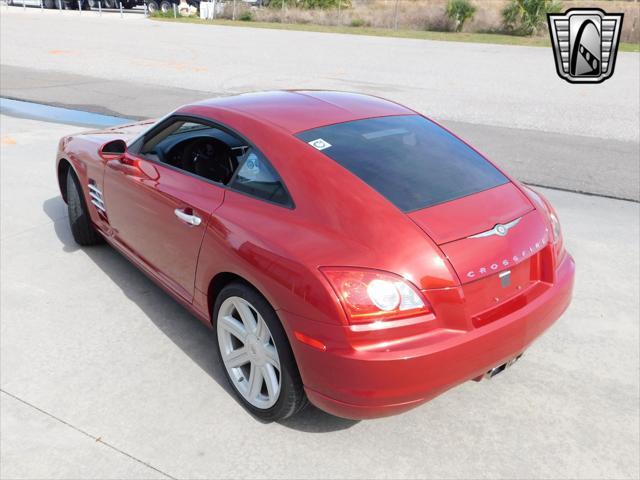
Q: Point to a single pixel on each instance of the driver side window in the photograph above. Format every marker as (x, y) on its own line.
(214, 154)
(197, 148)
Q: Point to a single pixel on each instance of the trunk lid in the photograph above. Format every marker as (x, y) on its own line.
(497, 267)
(500, 274)
(474, 257)
(472, 214)
(464, 230)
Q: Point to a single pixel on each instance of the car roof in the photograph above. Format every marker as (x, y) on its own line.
(300, 110)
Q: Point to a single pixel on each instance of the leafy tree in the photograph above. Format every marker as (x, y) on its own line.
(460, 11)
(246, 16)
(526, 17)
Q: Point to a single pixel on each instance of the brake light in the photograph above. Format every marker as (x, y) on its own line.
(556, 231)
(555, 227)
(371, 295)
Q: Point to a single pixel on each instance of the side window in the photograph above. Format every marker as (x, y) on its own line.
(197, 148)
(257, 177)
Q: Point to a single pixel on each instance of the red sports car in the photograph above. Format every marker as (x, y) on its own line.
(345, 249)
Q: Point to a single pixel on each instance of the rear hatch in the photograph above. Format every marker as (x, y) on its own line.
(452, 193)
(495, 240)
(472, 214)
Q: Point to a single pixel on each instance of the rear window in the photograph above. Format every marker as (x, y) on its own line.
(410, 160)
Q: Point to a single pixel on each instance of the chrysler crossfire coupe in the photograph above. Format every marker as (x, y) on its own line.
(346, 251)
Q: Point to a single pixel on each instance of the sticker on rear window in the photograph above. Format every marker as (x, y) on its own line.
(319, 144)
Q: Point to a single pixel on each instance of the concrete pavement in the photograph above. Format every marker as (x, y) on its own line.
(507, 101)
(572, 162)
(102, 375)
(91, 349)
(39, 445)
(499, 85)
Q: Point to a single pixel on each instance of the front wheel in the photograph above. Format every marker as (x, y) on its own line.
(256, 355)
(79, 219)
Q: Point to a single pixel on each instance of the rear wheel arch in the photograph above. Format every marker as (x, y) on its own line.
(221, 280)
(218, 282)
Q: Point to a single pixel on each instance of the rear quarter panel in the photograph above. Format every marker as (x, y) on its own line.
(338, 220)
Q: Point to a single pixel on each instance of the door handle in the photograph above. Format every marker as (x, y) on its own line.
(187, 216)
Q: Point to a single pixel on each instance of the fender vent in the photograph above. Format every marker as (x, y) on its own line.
(96, 198)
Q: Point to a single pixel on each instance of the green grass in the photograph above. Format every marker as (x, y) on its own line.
(496, 38)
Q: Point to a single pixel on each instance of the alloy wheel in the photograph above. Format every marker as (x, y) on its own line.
(249, 353)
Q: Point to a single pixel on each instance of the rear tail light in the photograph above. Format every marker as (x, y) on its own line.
(371, 295)
(555, 227)
(556, 231)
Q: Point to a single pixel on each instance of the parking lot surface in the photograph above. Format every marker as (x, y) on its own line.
(507, 101)
(498, 85)
(104, 376)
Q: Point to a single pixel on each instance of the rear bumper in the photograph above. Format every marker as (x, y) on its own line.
(369, 383)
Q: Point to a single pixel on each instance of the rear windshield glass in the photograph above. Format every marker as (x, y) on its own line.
(408, 159)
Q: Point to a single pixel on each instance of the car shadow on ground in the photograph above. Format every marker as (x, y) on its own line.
(182, 328)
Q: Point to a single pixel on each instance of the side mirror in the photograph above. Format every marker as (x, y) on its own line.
(113, 150)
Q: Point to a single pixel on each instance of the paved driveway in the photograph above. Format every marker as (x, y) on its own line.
(508, 101)
(104, 376)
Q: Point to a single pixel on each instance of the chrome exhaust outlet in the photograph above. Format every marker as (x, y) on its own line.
(501, 368)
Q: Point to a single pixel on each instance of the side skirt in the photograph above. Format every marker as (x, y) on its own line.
(200, 315)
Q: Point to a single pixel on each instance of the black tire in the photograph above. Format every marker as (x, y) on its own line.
(50, 4)
(292, 398)
(152, 6)
(166, 6)
(79, 220)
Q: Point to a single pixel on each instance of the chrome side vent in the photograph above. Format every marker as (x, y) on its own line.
(96, 198)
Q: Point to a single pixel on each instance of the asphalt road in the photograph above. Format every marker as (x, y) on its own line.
(102, 375)
(507, 101)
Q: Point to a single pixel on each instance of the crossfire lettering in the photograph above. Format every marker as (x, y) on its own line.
(506, 262)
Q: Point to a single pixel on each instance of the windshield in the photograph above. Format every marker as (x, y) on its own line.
(410, 160)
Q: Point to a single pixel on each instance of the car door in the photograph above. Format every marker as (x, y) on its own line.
(159, 214)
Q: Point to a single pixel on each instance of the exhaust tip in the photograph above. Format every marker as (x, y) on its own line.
(501, 368)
